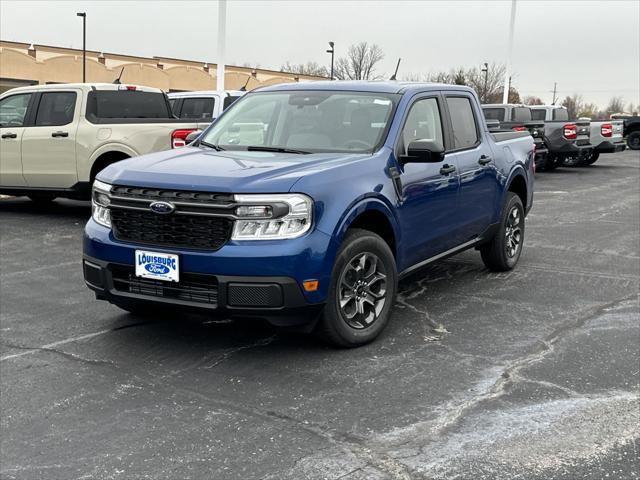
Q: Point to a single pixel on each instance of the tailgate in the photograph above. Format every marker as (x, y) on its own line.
(618, 130)
(583, 129)
(536, 129)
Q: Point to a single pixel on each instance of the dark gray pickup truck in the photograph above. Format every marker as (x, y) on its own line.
(568, 141)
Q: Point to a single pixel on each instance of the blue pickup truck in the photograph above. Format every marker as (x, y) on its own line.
(304, 204)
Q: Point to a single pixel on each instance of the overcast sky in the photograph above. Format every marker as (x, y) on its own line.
(587, 47)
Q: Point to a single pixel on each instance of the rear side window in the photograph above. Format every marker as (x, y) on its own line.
(560, 114)
(13, 110)
(494, 114)
(538, 114)
(228, 101)
(55, 109)
(197, 108)
(521, 114)
(126, 104)
(465, 133)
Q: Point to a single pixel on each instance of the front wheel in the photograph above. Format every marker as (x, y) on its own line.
(504, 249)
(363, 288)
(593, 158)
(42, 198)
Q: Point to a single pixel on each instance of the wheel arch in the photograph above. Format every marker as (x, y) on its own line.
(106, 155)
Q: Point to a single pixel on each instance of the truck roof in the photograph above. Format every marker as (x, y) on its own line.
(497, 105)
(85, 86)
(547, 106)
(206, 92)
(363, 86)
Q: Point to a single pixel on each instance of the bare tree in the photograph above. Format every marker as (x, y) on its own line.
(360, 62)
(532, 100)
(309, 68)
(573, 104)
(616, 105)
(590, 110)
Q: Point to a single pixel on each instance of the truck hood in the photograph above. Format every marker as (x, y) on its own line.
(191, 168)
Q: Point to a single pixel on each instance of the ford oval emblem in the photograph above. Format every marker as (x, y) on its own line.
(162, 207)
(156, 268)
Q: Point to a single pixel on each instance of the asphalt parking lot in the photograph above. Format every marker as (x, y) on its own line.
(532, 374)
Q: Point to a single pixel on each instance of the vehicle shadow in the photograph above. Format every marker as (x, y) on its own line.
(61, 208)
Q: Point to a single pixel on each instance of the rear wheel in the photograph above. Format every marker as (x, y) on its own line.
(552, 163)
(593, 158)
(503, 251)
(633, 140)
(363, 288)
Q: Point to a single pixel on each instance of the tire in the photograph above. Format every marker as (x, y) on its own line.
(366, 307)
(633, 140)
(593, 158)
(42, 198)
(552, 163)
(503, 251)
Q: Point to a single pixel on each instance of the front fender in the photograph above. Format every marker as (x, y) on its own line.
(361, 205)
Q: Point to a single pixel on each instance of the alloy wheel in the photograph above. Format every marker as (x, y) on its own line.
(362, 290)
(513, 232)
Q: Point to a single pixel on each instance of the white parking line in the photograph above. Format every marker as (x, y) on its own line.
(55, 344)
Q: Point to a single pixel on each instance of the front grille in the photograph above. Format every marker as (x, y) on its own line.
(193, 287)
(154, 194)
(173, 230)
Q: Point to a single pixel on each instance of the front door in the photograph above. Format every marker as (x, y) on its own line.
(479, 177)
(49, 146)
(429, 190)
(13, 114)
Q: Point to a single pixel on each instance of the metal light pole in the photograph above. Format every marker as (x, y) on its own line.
(485, 70)
(331, 51)
(507, 73)
(222, 25)
(84, 45)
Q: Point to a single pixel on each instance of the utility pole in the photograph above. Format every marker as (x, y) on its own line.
(222, 25)
(555, 85)
(331, 51)
(485, 70)
(84, 45)
(507, 73)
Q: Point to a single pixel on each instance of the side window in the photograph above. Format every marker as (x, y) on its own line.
(197, 108)
(228, 101)
(538, 114)
(13, 110)
(423, 123)
(56, 109)
(463, 123)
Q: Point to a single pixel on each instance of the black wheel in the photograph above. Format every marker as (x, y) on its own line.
(552, 163)
(592, 158)
(363, 289)
(633, 140)
(42, 198)
(504, 249)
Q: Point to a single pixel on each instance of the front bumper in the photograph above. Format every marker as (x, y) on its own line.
(257, 279)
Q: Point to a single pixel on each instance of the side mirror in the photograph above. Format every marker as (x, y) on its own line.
(192, 136)
(424, 151)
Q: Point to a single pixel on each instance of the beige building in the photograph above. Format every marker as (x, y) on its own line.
(27, 64)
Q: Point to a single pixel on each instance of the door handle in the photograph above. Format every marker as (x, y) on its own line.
(9, 135)
(60, 134)
(447, 169)
(483, 160)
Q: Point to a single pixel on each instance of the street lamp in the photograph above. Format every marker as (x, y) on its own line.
(485, 70)
(331, 51)
(84, 45)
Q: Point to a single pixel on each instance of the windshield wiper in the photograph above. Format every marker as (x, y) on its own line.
(217, 148)
(258, 148)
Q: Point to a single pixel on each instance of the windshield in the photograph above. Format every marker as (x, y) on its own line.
(304, 121)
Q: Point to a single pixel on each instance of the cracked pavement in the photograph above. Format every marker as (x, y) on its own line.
(529, 374)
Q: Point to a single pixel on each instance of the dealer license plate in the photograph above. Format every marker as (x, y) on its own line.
(157, 266)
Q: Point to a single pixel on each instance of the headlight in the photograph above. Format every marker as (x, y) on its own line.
(272, 217)
(100, 203)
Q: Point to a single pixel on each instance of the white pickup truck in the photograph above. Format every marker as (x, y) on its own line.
(56, 138)
(202, 106)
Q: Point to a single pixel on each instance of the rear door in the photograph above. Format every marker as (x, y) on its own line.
(14, 111)
(429, 190)
(49, 146)
(472, 154)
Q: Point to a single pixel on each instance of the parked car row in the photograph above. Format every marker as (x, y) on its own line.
(56, 138)
(560, 141)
